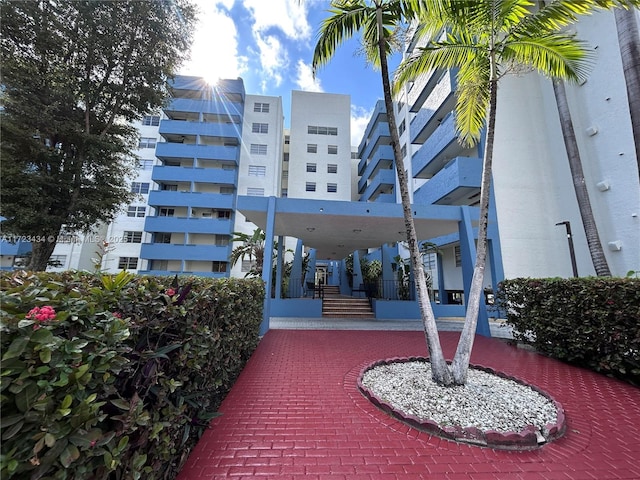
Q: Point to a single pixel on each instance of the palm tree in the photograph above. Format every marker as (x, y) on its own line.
(484, 40)
(380, 21)
(629, 41)
(252, 247)
(577, 174)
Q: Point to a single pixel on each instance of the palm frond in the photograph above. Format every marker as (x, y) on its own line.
(347, 17)
(553, 55)
(450, 53)
(472, 100)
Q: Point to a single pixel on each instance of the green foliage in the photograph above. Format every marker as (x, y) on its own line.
(122, 382)
(592, 322)
(74, 74)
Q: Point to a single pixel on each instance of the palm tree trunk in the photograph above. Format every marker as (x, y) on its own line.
(582, 195)
(460, 364)
(439, 368)
(629, 41)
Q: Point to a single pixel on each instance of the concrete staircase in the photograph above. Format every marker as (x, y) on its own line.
(335, 305)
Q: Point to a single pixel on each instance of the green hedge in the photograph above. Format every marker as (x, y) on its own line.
(591, 322)
(124, 378)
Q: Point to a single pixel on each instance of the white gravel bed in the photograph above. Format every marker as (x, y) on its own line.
(487, 401)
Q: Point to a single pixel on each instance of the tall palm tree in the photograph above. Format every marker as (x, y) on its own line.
(629, 41)
(484, 40)
(379, 21)
(579, 185)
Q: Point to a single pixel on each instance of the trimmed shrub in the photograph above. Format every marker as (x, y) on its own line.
(591, 322)
(116, 376)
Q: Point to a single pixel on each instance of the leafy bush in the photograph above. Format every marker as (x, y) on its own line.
(591, 322)
(116, 376)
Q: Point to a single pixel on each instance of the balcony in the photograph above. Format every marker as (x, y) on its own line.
(219, 226)
(174, 151)
(379, 114)
(169, 251)
(184, 86)
(440, 101)
(437, 150)
(12, 249)
(183, 108)
(180, 127)
(458, 183)
(163, 198)
(379, 136)
(160, 273)
(161, 173)
(382, 183)
(383, 158)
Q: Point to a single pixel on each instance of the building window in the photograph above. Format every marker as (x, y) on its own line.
(285, 174)
(287, 139)
(226, 190)
(312, 148)
(162, 265)
(125, 263)
(224, 214)
(402, 127)
(137, 187)
(152, 120)
(456, 253)
(332, 168)
(257, 170)
(261, 107)
(400, 106)
(258, 149)
(144, 164)
(332, 149)
(310, 187)
(218, 267)
(166, 212)
(316, 130)
(222, 240)
(332, 187)
(311, 167)
(132, 237)
(169, 187)
(162, 237)
(286, 157)
(284, 193)
(260, 128)
(403, 150)
(247, 265)
(134, 211)
(255, 192)
(147, 142)
(57, 261)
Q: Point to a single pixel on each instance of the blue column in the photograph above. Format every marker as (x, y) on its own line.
(310, 275)
(280, 261)
(267, 265)
(468, 256)
(442, 292)
(388, 290)
(295, 280)
(357, 272)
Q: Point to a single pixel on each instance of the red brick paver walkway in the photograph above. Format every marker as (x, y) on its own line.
(295, 412)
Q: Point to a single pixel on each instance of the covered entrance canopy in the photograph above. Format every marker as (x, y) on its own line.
(337, 228)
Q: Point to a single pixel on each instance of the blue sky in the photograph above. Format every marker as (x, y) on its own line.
(269, 43)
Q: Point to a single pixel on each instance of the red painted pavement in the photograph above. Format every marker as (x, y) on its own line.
(295, 412)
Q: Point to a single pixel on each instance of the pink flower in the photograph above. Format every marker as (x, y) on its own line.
(117, 314)
(171, 292)
(41, 314)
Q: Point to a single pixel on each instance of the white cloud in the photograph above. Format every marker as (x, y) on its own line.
(304, 78)
(274, 60)
(214, 53)
(289, 16)
(359, 119)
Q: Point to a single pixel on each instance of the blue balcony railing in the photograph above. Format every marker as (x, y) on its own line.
(181, 127)
(161, 173)
(162, 198)
(423, 161)
(171, 151)
(453, 185)
(190, 225)
(168, 251)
